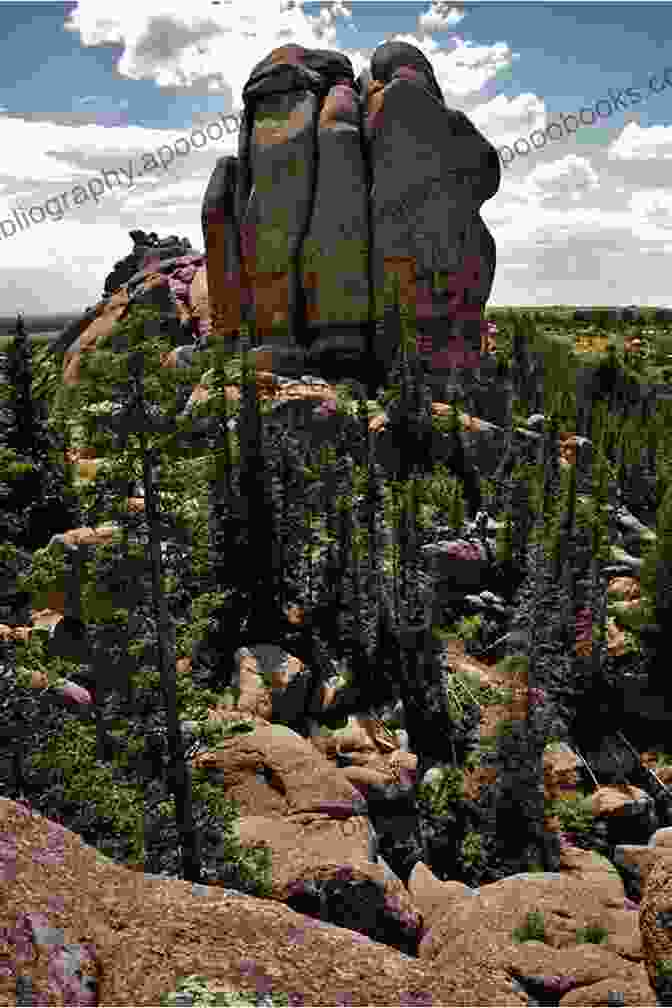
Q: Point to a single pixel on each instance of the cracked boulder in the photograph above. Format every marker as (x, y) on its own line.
(295, 803)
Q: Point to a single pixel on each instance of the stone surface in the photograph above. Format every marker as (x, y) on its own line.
(578, 976)
(274, 771)
(593, 868)
(500, 907)
(614, 801)
(144, 934)
(432, 897)
(655, 921)
(561, 772)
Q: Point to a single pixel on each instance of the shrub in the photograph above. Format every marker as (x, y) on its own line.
(194, 990)
(594, 933)
(472, 850)
(441, 793)
(575, 814)
(533, 929)
(473, 760)
(470, 626)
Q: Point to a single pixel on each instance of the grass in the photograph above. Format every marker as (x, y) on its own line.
(533, 928)
(595, 934)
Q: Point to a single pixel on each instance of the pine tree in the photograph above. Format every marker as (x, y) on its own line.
(150, 438)
(656, 579)
(38, 500)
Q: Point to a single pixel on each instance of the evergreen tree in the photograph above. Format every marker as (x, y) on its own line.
(38, 498)
(151, 438)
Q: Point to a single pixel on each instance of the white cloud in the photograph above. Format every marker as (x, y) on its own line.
(440, 17)
(638, 144)
(557, 219)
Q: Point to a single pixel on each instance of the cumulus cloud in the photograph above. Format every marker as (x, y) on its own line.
(638, 144)
(552, 205)
(441, 17)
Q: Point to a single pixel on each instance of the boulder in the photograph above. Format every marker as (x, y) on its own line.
(483, 924)
(295, 802)
(593, 868)
(562, 768)
(95, 333)
(636, 862)
(655, 921)
(615, 801)
(274, 771)
(143, 934)
(432, 897)
(583, 975)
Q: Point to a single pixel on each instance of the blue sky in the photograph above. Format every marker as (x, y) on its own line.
(92, 86)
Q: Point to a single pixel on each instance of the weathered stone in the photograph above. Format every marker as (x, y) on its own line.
(561, 772)
(656, 932)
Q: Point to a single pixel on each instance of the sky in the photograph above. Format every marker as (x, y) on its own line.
(583, 215)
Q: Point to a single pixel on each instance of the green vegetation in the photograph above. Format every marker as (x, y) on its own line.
(443, 792)
(472, 850)
(575, 814)
(204, 997)
(593, 933)
(464, 688)
(533, 928)
(113, 788)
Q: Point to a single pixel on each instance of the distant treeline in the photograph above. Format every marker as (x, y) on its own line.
(52, 322)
